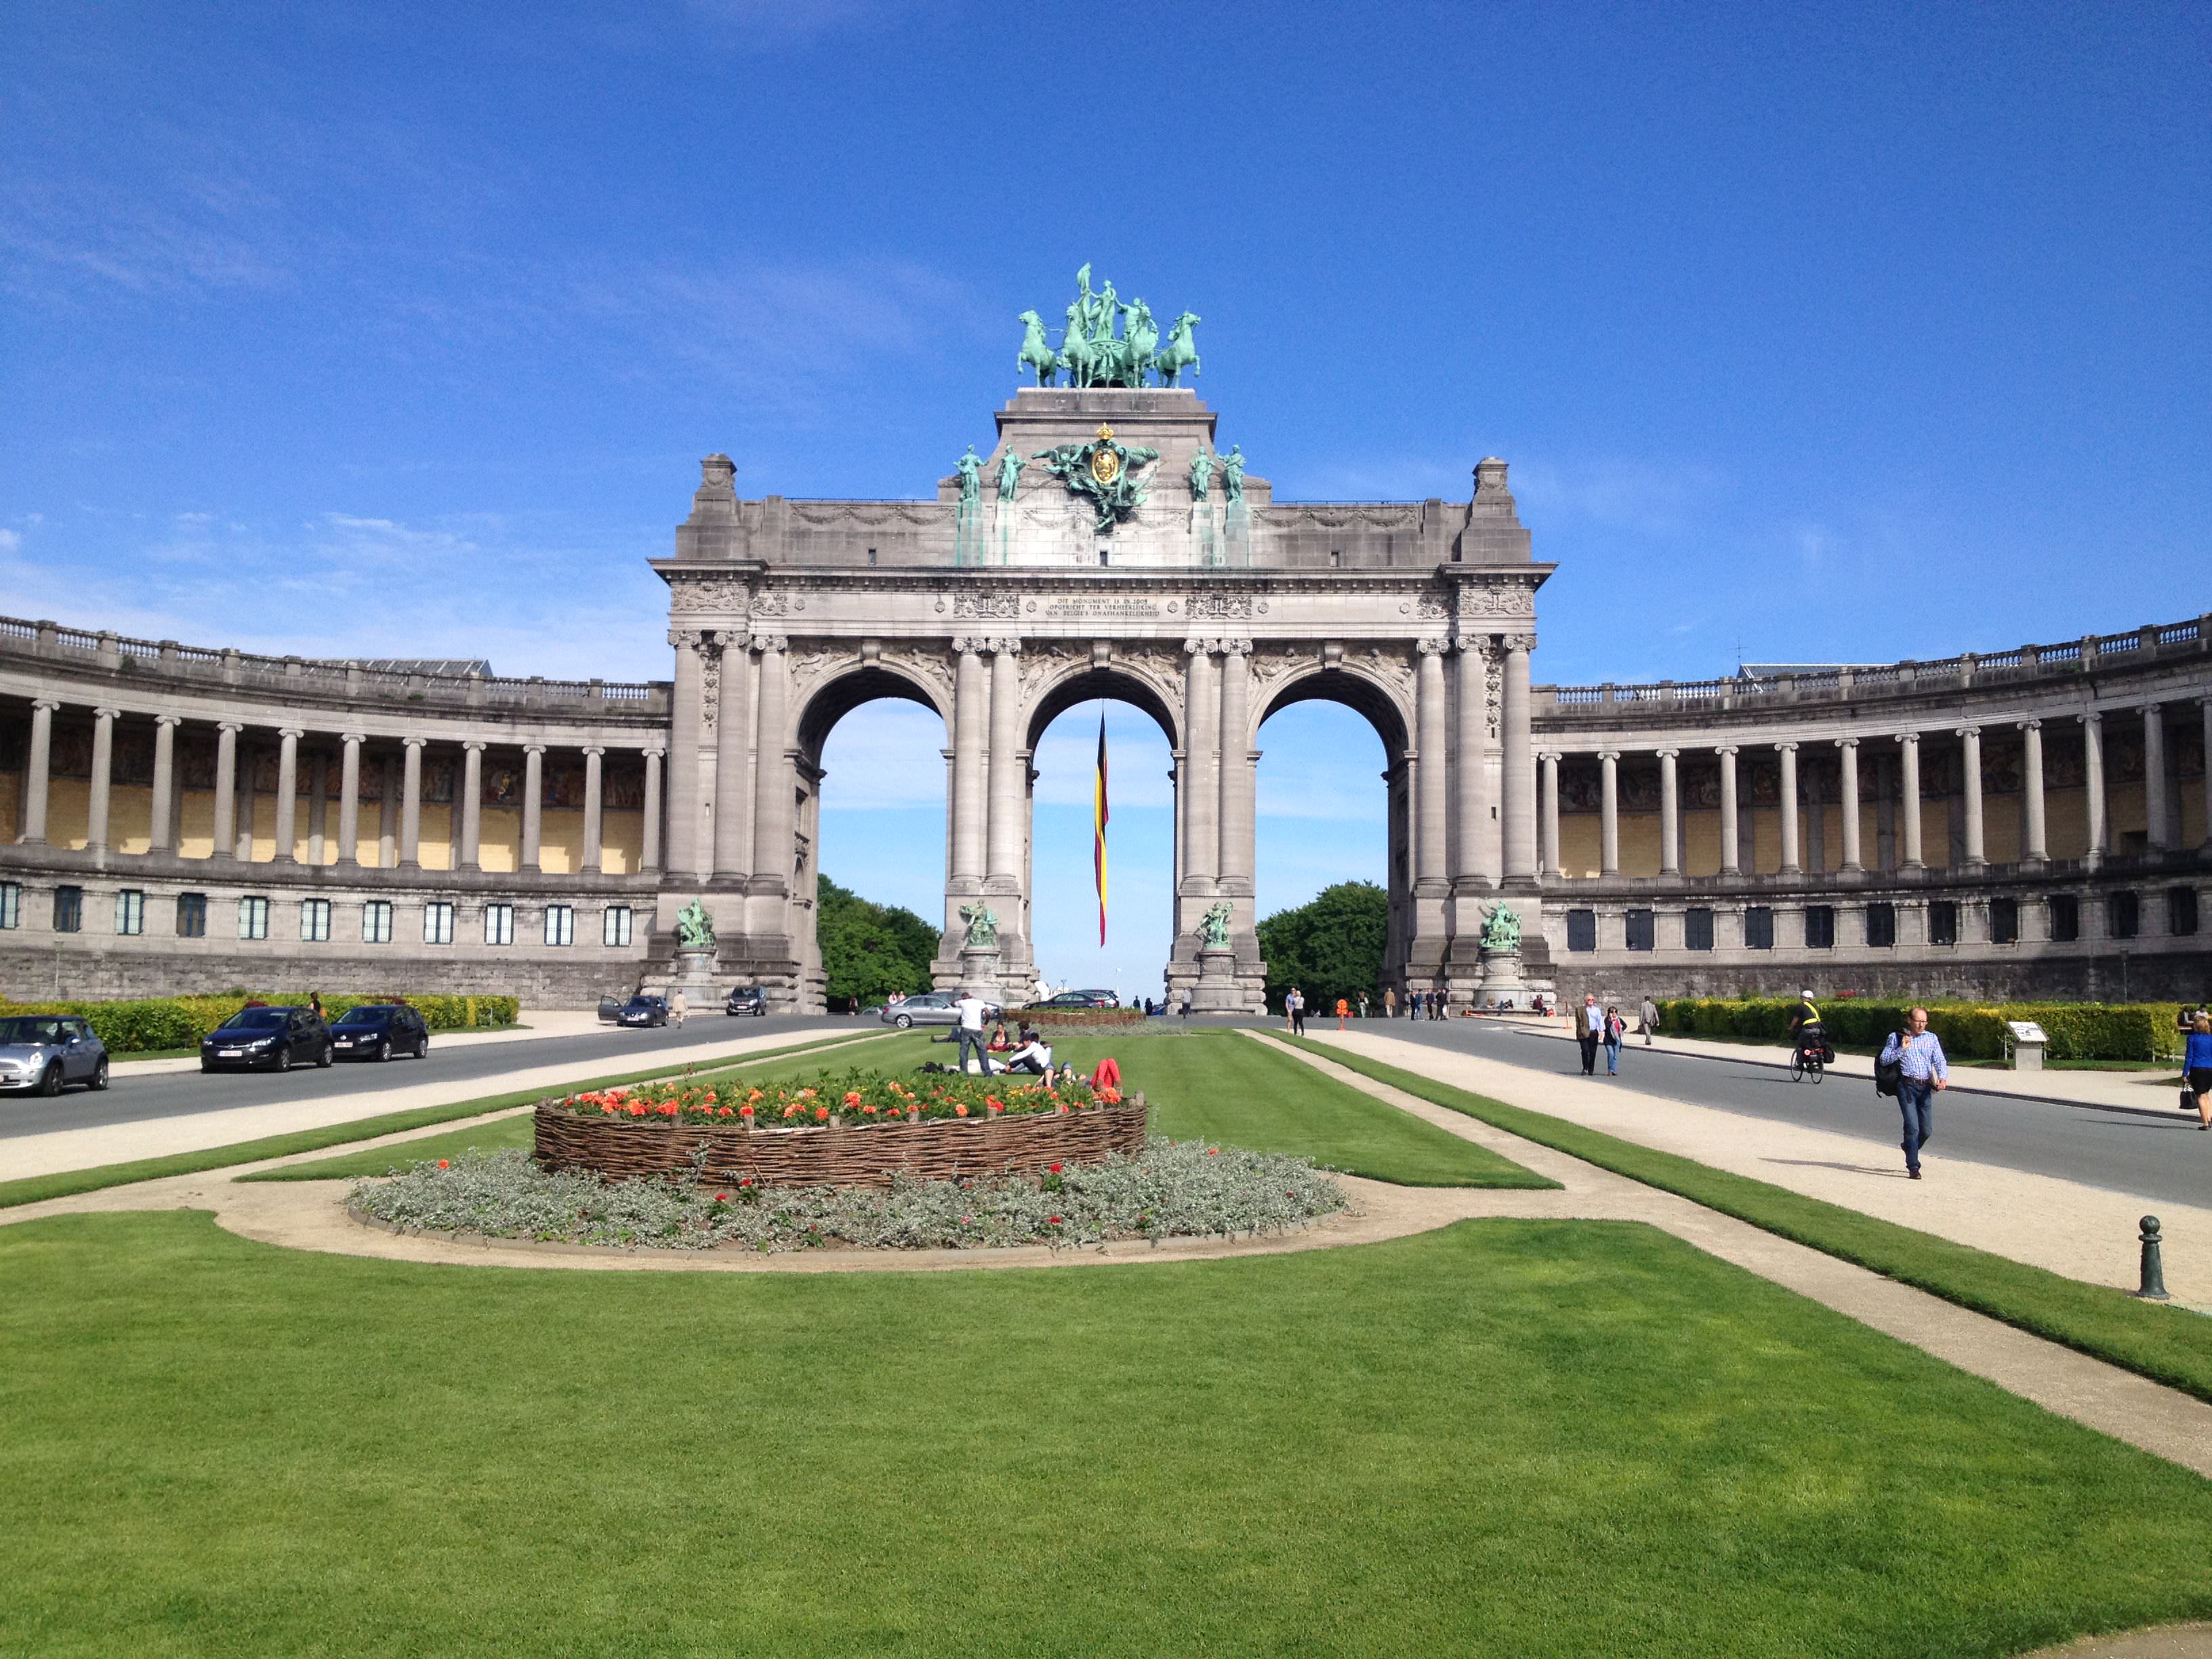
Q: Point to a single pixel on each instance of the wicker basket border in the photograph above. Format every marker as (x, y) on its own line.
(938, 1148)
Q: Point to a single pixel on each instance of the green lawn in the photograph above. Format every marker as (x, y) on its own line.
(1503, 1439)
(2167, 1344)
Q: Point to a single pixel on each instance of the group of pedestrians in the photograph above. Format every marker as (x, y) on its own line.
(1600, 1025)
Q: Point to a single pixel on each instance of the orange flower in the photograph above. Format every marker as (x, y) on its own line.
(821, 1114)
(853, 1098)
(960, 1111)
(744, 1111)
(722, 1111)
(443, 1164)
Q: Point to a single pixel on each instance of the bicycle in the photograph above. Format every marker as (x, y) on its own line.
(1808, 1063)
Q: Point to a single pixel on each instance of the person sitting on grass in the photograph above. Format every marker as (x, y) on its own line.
(999, 1043)
(1034, 1056)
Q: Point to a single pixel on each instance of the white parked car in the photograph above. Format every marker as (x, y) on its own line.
(45, 1053)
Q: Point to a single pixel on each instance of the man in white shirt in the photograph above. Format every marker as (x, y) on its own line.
(1917, 1052)
(972, 1009)
(1589, 1031)
(1034, 1056)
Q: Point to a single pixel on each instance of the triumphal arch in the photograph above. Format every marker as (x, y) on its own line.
(1107, 546)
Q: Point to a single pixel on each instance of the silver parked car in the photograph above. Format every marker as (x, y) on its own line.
(47, 1052)
(931, 1008)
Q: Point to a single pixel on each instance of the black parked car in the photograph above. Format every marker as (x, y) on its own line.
(379, 1030)
(1078, 999)
(274, 1039)
(747, 999)
(643, 1011)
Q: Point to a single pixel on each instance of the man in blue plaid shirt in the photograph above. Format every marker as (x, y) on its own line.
(1922, 1071)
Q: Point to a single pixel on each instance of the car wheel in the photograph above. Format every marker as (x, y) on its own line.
(904, 1022)
(384, 1049)
(100, 1074)
(50, 1083)
(423, 1046)
(207, 1065)
(285, 1058)
(329, 1053)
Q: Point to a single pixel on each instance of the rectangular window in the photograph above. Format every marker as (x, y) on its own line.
(1881, 926)
(1942, 922)
(1698, 929)
(1582, 930)
(617, 924)
(130, 911)
(2065, 918)
(2180, 910)
(499, 924)
(2123, 915)
(1642, 931)
(68, 909)
(560, 924)
(2004, 922)
(253, 918)
(376, 922)
(315, 920)
(1820, 926)
(1758, 928)
(12, 904)
(191, 916)
(438, 923)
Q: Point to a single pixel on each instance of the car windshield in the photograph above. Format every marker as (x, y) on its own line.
(643, 1002)
(20, 1030)
(365, 1017)
(257, 1019)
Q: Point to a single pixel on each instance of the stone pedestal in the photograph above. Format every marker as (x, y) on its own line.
(1502, 981)
(1218, 990)
(693, 974)
(979, 972)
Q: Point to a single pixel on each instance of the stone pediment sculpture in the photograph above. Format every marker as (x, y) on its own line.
(1104, 472)
(1501, 928)
(971, 468)
(1094, 355)
(695, 929)
(983, 926)
(1010, 473)
(1213, 926)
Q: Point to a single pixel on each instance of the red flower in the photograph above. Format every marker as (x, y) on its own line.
(744, 1111)
(747, 1182)
(853, 1098)
(636, 1110)
(1213, 1151)
(1052, 1169)
(1052, 1221)
(443, 1164)
(821, 1114)
(722, 1198)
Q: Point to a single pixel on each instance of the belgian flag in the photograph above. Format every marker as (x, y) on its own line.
(1098, 829)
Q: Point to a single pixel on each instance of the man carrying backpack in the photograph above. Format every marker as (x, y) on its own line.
(1921, 1073)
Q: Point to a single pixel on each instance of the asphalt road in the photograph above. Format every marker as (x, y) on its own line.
(136, 1096)
(2151, 1151)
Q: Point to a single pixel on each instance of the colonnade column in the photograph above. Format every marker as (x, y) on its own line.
(733, 742)
(1432, 806)
(533, 801)
(37, 767)
(1233, 859)
(2205, 704)
(2157, 834)
(410, 803)
(1908, 791)
(1466, 763)
(472, 848)
(226, 788)
(2093, 781)
(1731, 852)
(1008, 789)
(287, 791)
(1790, 865)
(103, 774)
(1550, 852)
(349, 799)
(1848, 749)
(593, 784)
(1970, 765)
(685, 712)
(773, 803)
(1518, 780)
(318, 790)
(1670, 814)
(387, 832)
(165, 783)
(649, 857)
(2034, 834)
(1201, 785)
(1608, 807)
(971, 695)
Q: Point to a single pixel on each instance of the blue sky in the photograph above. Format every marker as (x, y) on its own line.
(1843, 332)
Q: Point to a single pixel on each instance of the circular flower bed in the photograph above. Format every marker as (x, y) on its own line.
(1168, 1189)
(855, 1130)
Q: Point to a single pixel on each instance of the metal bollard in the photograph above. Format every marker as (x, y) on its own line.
(2154, 1268)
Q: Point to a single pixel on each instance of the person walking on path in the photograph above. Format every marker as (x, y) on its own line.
(1649, 1015)
(971, 1010)
(1589, 1027)
(1343, 1011)
(1295, 1004)
(1363, 1005)
(677, 1008)
(2196, 1067)
(1182, 1004)
(1615, 1029)
(1390, 1002)
(1922, 1072)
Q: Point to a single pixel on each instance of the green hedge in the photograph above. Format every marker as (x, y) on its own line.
(155, 1023)
(1969, 1031)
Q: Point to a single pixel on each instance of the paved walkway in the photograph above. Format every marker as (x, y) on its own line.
(2085, 1232)
(531, 1025)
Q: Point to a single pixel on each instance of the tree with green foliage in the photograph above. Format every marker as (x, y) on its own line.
(868, 949)
(1331, 946)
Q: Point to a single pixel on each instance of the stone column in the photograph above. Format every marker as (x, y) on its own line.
(1009, 773)
(36, 769)
(2034, 836)
(349, 799)
(2205, 704)
(1970, 765)
(1433, 810)
(472, 848)
(1202, 718)
(1234, 860)
(733, 742)
(1670, 814)
(1790, 864)
(410, 803)
(387, 832)
(2157, 832)
(226, 790)
(686, 723)
(649, 857)
(1518, 785)
(318, 790)
(1467, 768)
(1848, 765)
(165, 783)
(592, 784)
(1608, 807)
(1551, 794)
(971, 696)
(248, 759)
(773, 800)
(1908, 793)
(533, 803)
(2092, 782)
(103, 775)
(1731, 850)
(288, 791)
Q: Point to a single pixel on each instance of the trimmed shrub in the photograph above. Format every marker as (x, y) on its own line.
(1076, 1020)
(153, 1023)
(2077, 1030)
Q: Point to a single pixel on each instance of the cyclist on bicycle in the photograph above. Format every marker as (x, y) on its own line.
(1807, 1038)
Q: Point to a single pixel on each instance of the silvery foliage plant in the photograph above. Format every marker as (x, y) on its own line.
(1177, 1189)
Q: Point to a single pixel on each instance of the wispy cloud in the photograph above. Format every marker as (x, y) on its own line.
(1639, 497)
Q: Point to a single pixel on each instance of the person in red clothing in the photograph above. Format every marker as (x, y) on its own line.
(1343, 1011)
(1107, 1076)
